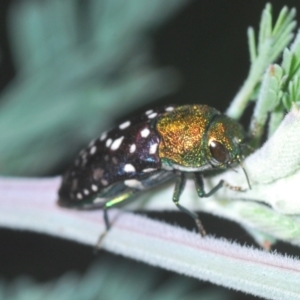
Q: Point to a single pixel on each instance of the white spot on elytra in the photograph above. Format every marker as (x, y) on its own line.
(104, 182)
(133, 183)
(79, 196)
(153, 115)
(132, 148)
(129, 168)
(153, 149)
(86, 192)
(108, 142)
(148, 112)
(93, 150)
(170, 108)
(116, 144)
(149, 170)
(103, 136)
(145, 132)
(94, 188)
(124, 125)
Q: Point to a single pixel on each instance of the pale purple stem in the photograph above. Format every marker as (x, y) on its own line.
(30, 204)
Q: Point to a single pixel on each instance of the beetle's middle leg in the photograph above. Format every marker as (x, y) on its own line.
(179, 186)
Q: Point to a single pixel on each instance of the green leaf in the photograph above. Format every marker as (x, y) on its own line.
(252, 44)
(271, 42)
(269, 98)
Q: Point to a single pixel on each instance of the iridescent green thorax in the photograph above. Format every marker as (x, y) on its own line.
(198, 137)
(182, 133)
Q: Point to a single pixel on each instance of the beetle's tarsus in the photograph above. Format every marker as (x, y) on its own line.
(234, 188)
(200, 227)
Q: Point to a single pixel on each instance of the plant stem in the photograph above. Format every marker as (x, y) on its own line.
(30, 204)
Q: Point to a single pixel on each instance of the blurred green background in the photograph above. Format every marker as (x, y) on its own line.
(72, 69)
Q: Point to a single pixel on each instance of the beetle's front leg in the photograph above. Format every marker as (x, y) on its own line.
(179, 186)
(200, 186)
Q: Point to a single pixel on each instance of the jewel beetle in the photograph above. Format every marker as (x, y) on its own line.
(148, 150)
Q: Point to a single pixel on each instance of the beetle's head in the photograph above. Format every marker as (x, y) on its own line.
(224, 139)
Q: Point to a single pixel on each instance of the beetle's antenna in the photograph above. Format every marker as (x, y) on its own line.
(246, 175)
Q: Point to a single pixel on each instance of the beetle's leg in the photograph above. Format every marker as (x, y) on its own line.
(108, 205)
(200, 186)
(179, 186)
(114, 201)
(106, 220)
(103, 234)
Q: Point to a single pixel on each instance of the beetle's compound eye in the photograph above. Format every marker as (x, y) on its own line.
(219, 152)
